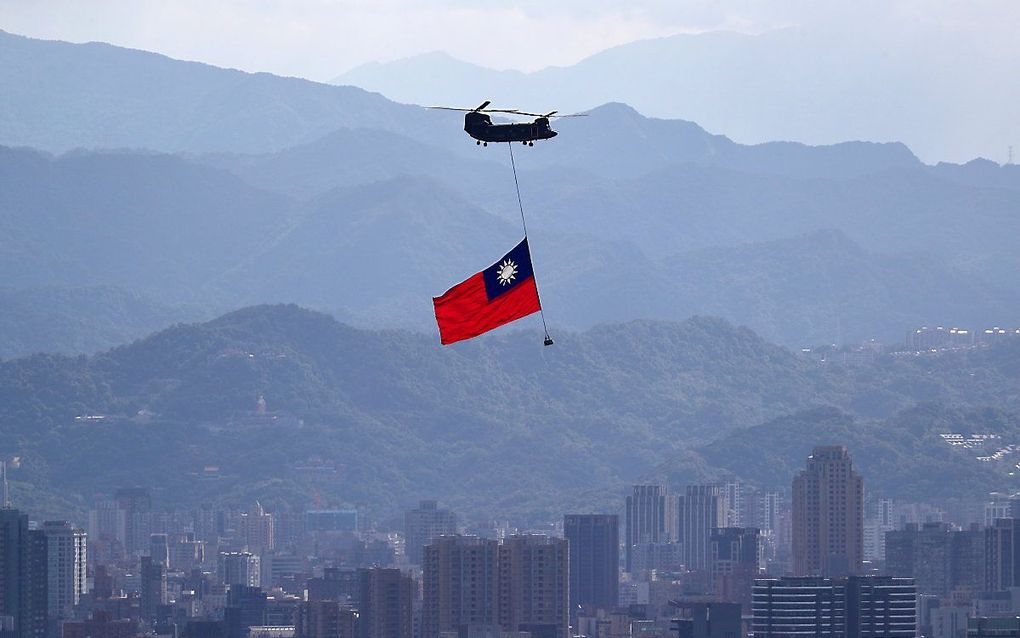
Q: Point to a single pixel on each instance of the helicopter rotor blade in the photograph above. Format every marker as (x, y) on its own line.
(450, 108)
(483, 105)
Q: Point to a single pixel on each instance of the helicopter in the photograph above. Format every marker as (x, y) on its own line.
(479, 125)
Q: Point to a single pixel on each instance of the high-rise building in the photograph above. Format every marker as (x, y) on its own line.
(246, 607)
(534, 584)
(1002, 554)
(938, 558)
(423, 524)
(649, 518)
(385, 603)
(135, 503)
(881, 607)
(325, 619)
(159, 549)
(788, 607)
(153, 588)
(65, 566)
(853, 607)
(736, 558)
(594, 541)
(828, 515)
(257, 530)
(460, 584)
(734, 493)
(239, 568)
(187, 553)
(23, 575)
(702, 508)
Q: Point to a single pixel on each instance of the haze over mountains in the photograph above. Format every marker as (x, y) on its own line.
(137, 192)
(803, 244)
(809, 84)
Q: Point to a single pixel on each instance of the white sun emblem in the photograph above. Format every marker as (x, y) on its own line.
(507, 272)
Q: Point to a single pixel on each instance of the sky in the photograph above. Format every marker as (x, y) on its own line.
(320, 39)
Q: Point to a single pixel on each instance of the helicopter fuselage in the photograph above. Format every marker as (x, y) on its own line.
(480, 127)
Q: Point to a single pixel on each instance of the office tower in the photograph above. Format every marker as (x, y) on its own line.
(968, 559)
(205, 522)
(851, 607)
(881, 607)
(153, 588)
(534, 584)
(594, 542)
(828, 515)
(788, 607)
(23, 576)
(159, 549)
(246, 607)
(649, 518)
(187, 553)
(135, 503)
(459, 583)
(106, 529)
(65, 566)
(239, 568)
(657, 556)
(735, 560)
(1002, 554)
(701, 509)
(423, 524)
(102, 583)
(325, 619)
(384, 605)
(938, 558)
(257, 530)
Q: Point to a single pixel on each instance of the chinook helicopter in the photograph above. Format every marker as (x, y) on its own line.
(479, 125)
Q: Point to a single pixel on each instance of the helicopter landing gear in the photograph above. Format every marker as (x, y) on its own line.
(485, 143)
(525, 143)
(477, 143)
(531, 143)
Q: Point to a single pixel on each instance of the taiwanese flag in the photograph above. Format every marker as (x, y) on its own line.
(503, 292)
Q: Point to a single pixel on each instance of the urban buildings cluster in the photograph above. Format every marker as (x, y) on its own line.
(819, 559)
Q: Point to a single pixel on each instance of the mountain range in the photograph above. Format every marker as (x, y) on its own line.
(501, 425)
(810, 84)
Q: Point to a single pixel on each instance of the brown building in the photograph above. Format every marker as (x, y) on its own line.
(384, 603)
(534, 583)
(828, 515)
(325, 619)
(459, 584)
